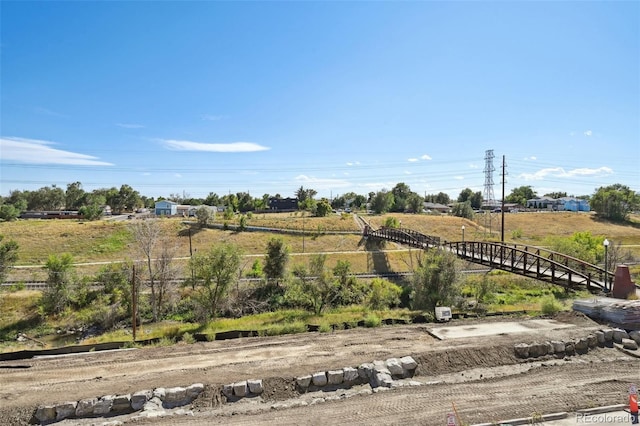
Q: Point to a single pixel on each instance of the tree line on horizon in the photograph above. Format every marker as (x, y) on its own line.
(613, 202)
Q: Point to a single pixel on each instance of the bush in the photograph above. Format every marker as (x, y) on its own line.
(188, 338)
(549, 305)
(372, 320)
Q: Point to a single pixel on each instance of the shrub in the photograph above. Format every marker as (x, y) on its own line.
(324, 328)
(188, 338)
(549, 305)
(372, 320)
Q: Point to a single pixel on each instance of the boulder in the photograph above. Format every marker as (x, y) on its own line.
(240, 388)
(635, 336)
(255, 386)
(394, 367)
(121, 403)
(629, 344)
(608, 335)
(303, 382)
(408, 363)
(335, 377)
(194, 390)
(381, 367)
(66, 409)
(84, 408)
(382, 379)
(592, 340)
(227, 390)
(619, 334)
(558, 346)
(365, 371)
(537, 349)
(138, 399)
(350, 374)
(103, 405)
(319, 379)
(600, 338)
(153, 404)
(159, 393)
(46, 413)
(550, 348)
(522, 350)
(569, 347)
(174, 397)
(581, 345)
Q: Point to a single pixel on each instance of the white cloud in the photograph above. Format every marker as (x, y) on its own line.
(146, 174)
(35, 151)
(473, 166)
(321, 183)
(412, 160)
(425, 157)
(178, 175)
(459, 177)
(353, 163)
(407, 172)
(130, 125)
(562, 173)
(572, 133)
(532, 158)
(213, 147)
(211, 117)
(588, 133)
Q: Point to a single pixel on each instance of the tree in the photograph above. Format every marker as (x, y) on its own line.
(215, 272)
(615, 202)
(276, 259)
(74, 196)
(146, 235)
(520, 195)
(91, 212)
(165, 272)
(59, 276)
(440, 198)
(556, 195)
(463, 210)
(8, 257)
(205, 215)
(434, 282)
(384, 294)
(415, 203)
(475, 198)
(382, 201)
(323, 208)
(46, 198)
(212, 199)
(401, 193)
(314, 287)
(8, 212)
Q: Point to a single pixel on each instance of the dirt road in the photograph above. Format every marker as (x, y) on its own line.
(480, 374)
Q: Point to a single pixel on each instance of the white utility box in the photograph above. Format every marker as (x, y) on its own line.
(443, 313)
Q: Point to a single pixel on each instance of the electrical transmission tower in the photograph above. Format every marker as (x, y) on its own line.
(489, 198)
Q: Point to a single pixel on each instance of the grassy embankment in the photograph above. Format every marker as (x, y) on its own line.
(107, 241)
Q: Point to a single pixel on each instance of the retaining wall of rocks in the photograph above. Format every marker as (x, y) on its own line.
(608, 336)
(150, 402)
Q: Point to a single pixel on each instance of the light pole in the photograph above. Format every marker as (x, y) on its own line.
(605, 243)
(463, 233)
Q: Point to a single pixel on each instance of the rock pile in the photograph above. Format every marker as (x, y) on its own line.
(377, 374)
(151, 402)
(246, 388)
(581, 345)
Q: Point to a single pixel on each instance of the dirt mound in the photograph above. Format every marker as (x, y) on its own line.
(454, 360)
(279, 388)
(210, 397)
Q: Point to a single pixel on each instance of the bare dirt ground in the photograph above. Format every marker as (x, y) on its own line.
(479, 374)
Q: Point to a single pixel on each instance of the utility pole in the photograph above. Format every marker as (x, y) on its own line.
(133, 302)
(193, 278)
(504, 170)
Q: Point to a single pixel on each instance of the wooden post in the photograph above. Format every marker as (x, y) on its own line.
(133, 302)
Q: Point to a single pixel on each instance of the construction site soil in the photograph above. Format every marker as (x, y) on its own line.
(479, 374)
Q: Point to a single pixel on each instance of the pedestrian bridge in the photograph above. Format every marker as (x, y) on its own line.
(529, 261)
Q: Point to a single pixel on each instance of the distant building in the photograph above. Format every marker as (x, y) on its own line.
(437, 207)
(166, 208)
(283, 204)
(570, 204)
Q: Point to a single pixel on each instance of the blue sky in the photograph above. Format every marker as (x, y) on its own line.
(265, 97)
